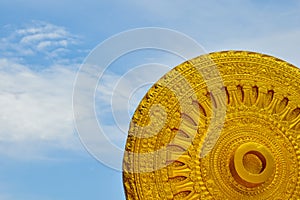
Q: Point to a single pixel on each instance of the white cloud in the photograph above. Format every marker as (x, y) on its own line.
(36, 108)
(29, 39)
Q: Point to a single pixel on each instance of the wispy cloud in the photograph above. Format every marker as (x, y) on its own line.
(41, 41)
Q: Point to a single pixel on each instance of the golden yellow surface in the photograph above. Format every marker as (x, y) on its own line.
(220, 126)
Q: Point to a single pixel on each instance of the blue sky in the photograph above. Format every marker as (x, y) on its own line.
(42, 45)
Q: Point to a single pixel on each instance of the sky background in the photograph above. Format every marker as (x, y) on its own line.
(42, 45)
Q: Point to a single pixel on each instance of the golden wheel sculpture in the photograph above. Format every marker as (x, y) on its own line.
(181, 145)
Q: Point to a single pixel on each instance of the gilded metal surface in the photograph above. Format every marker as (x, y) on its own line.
(255, 156)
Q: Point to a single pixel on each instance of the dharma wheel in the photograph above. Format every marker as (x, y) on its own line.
(220, 126)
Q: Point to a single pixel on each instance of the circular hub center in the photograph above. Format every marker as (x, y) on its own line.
(252, 164)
